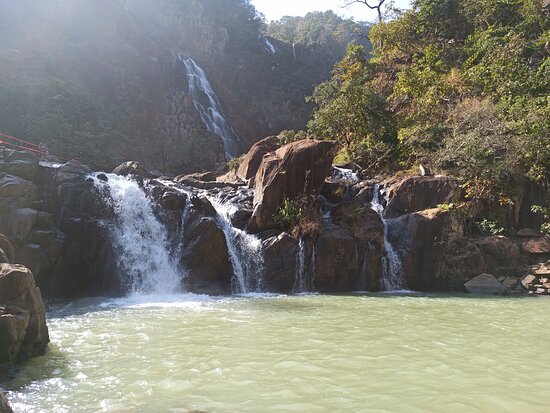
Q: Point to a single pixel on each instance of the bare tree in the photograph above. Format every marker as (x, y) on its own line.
(371, 4)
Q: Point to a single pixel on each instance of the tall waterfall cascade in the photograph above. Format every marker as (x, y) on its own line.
(145, 258)
(209, 107)
(268, 46)
(393, 277)
(245, 251)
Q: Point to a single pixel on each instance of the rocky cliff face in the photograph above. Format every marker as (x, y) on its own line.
(101, 81)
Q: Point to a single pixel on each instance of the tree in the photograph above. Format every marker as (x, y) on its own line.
(371, 4)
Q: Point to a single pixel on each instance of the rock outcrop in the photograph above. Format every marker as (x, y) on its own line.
(294, 169)
(253, 158)
(132, 168)
(419, 193)
(23, 330)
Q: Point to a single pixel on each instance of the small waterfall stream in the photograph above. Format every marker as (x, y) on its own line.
(209, 107)
(393, 277)
(140, 239)
(305, 269)
(245, 251)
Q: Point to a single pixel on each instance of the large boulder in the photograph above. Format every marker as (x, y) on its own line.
(337, 261)
(280, 255)
(16, 187)
(422, 239)
(206, 257)
(23, 330)
(485, 284)
(132, 168)
(253, 159)
(501, 255)
(72, 171)
(537, 246)
(418, 193)
(294, 169)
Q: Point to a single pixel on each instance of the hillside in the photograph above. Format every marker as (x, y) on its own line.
(101, 81)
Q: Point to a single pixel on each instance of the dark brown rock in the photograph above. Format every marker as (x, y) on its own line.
(280, 255)
(206, 258)
(419, 193)
(528, 233)
(15, 187)
(23, 330)
(253, 159)
(72, 171)
(537, 246)
(294, 169)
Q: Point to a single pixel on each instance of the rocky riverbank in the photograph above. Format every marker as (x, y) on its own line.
(61, 222)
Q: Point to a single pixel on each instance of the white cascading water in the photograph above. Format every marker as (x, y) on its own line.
(212, 115)
(305, 271)
(245, 251)
(393, 277)
(269, 46)
(141, 240)
(343, 174)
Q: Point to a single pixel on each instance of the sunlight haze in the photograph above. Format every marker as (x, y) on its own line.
(275, 10)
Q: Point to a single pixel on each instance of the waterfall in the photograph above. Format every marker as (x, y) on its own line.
(209, 107)
(245, 251)
(140, 239)
(343, 174)
(393, 277)
(294, 50)
(269, 46)
(305, 271)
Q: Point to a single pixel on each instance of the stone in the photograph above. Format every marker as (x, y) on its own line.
(528, 233)
(537, 246)
(419, 193)
(294, 169)
(23, 330)
(4, 404)
(279, 254)
(499, 252)
(15, 187)
(206, 257)
(540, 291)
(252, 160)
(132, 168)
(485, 284)
(7, 250)
(510, 282)
(71, 171)
(528, 281)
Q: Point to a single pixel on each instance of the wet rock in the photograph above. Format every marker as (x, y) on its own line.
(485, 284)
(337, 262)
(537, 246)
(4, 404)
(23, 330)
(206, 257)
(253, 159)
(173, 201)
(279, 253)
(72, 171)
(294, 169)
(132, 168)
(419, 193)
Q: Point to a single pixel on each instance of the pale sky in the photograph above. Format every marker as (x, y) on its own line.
(275, 9)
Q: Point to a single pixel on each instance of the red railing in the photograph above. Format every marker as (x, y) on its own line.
(16, 143)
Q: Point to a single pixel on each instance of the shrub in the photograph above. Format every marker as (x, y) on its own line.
(488, 227)
(234, 163)
(545, 212)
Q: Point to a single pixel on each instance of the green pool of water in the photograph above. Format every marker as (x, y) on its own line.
(292, 354)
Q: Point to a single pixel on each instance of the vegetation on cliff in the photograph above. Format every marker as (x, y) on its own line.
(461, 86)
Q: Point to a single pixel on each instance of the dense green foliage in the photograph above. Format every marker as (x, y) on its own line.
(460, 85)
